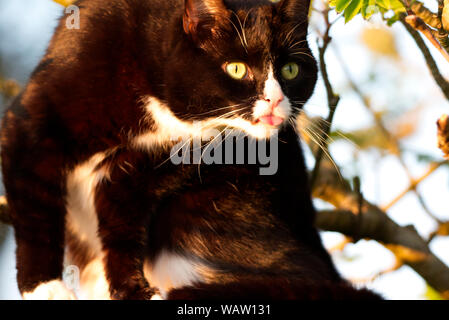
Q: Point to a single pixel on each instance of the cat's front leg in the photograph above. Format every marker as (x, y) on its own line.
(123, 213)
(37, 210)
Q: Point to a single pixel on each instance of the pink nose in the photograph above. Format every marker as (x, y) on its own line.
(273, 96)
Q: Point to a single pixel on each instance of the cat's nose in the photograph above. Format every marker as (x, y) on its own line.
(274, 102)
(273, 95)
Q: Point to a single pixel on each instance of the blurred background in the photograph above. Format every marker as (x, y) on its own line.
(383, 83)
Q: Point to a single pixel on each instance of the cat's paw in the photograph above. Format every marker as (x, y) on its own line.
(52, 290)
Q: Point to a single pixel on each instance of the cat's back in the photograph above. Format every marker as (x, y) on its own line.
(106, 40)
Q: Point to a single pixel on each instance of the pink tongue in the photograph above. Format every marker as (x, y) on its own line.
(271, 120)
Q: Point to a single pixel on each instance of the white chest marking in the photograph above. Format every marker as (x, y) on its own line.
(169, 128)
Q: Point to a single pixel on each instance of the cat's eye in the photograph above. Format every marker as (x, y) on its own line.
(236, 70)
(290, 71)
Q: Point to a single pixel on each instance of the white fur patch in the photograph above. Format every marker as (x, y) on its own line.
(272, 90)
(171, 271)
(52, 290)
(81, 217)
(93, 283)
(167, 272)
(169, 128)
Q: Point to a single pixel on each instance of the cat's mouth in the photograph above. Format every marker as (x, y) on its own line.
(269, 119)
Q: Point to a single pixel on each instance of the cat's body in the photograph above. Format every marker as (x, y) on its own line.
(85, 150)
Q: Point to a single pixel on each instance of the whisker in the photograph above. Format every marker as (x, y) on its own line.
(296, 43)
(312, 137)
(238, 33)
(287, 39)
(347, 139)
(311, 123)
(205, 149)
(182, 146)
(218, 109)
(299, 53)
(244, 22)
(241, 28)
(230, 113)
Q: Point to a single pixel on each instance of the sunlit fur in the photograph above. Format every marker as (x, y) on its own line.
(52, 290)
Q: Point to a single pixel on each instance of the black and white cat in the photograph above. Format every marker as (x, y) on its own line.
(85, 150)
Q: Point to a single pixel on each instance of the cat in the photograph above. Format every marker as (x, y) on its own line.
(87, 147)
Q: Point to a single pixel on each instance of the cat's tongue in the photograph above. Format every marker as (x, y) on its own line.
(272, 120)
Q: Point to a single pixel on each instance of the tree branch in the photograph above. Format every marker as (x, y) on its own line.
(375, 224)
(426, 15)
(418, 24)
(440, 80)
(332, 98)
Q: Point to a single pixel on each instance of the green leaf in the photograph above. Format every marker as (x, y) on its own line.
(368, 8)
(341, 5)
(352, 10)
(394, 5)
(385, 4)
(392, 20)
(397, 6)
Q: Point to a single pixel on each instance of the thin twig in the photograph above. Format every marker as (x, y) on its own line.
(394, 143)
(396, 266)
(428, 16)
(332, 98)
(413, 184)
(418, 24)
(439, 79)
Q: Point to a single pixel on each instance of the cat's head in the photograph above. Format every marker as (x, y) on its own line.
(241, 64)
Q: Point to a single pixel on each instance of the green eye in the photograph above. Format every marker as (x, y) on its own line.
(290, 71)
(236, 70)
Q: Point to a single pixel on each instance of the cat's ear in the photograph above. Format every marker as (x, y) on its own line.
(294, 10)
(202, 18)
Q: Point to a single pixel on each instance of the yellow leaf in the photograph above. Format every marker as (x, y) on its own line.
(65, 3)
(432, 294)
(381, 41)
